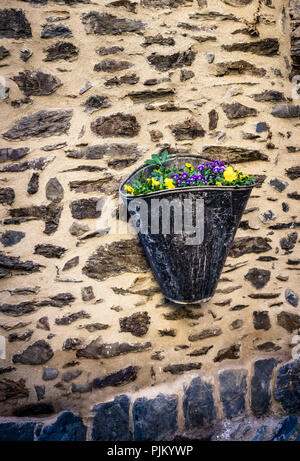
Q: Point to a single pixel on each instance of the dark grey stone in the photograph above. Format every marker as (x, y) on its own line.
(261, 127)
(42, 124)
(264, 47)
(260, 386)
(154, 419)
(288, 321)
(285, 429)
(54, 190)
(56, 31)
(261, 320)
(7, 153)
(39, 163)
(33, 185)
(291, 297)
(287, 387)
(3, 53)
(66, 428)
(233, 388)
(198, 404)
(36, 354)
(288, 243)
(237, 110)
(49, 251)
(258, 277)
(65, 51)
(104, 23)
(37, 82)
(10, 237)
(40, 392)
(50, 373)
(25, 54)
(18, 431)
(7, 195)
(14, 24)
(111, 420)
(285, 111)
(89, 208)
(278, 184)
(119, 378)
(172, 61)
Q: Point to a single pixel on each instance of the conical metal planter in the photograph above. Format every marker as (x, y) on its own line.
(188, 273)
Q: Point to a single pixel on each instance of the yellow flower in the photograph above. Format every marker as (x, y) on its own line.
(169, 183)
(229, 174)
(218, 183)
(155, 183)
(245, 176)
(190, 166)
(129, 189)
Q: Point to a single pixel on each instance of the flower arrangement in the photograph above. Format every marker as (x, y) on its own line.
(215, 173)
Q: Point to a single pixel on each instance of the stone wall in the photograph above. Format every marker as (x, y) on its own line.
(89, 89)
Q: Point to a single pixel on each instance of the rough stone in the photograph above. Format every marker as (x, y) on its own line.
(238, 68)
(265, 47)
(207, 333)
(233, 154)
(14, 24)
(43, 123)
(7, 195)
(245, 245)
(36, 354)
(12, 390)
(17, 431)
(3, 53)
(110, 65)
(115, 259)
(260, 386)
(288, 321)
(231, 352)
(54, 190)
(180, 368)
(154, 419)
(96, 349)
(291, 297)
(233, 388)
(285, 111)
(25, 336)
(158, 40)
(37, 83)
(288, 243)
(43, 323)
(111, 420)
(130, 79)
(39, 163)
(87, 293)
(33, 185)
(68, 319)
(25, 54)
(50, 373)
(49, 251)
(258, 277)
(103, 51)
(72, 344)
(269, 96)
(68, 376)
(137, 324)
(237, 110)
(120, 378)
(189, 129)
(10, 265)
(78, 229)
(198, 404)
(66, 428)
(120, 125)
(172, 61)
(13, 154)
(71, 263)
(293, 172)
(261, 320)
(278, 184)
(89, 208)
(286, 389)
(61, 51)
(164, 3)
(49, 214)
(106, 24)
(96, 102)
(56, 31)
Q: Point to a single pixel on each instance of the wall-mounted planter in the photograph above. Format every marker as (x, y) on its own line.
(189, 273)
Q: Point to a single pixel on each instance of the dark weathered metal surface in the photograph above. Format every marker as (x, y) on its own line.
(190, 273)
